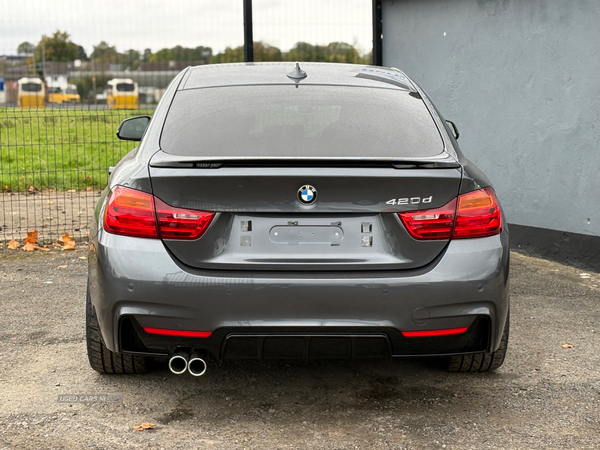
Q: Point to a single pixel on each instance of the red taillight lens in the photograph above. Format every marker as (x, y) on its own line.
(184, 224)
(429, 333)
(130, 212)
(180, 333)
(476, 214)
(430, 224)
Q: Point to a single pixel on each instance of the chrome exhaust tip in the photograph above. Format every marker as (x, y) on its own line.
(178, 363)
(196, 365)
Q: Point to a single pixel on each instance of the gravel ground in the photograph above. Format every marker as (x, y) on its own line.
(52, 213)
(545, 396)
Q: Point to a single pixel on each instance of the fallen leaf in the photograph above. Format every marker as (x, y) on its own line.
(29, 247)
(45, 248)
(567, 346)
(71, 190)
(6, 188)
(13, 245)
(51, 202)
(89, 188)
(62, 267)
(31, 189)
(83, 257)
(144, 426)
(57, 244)
(31, 237)
(68, 241)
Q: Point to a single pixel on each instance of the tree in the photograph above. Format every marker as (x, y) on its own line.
(25, 48)
(304, 51)
(334, 52)
(81, 54)
(132, 59)
(265, 52)
(162, 55)
(105, 53)
(57, 47)
(201, 55)
(342, 53)
(229, 55)
(147, 55)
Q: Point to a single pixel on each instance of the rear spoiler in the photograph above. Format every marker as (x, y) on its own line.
(166, 160)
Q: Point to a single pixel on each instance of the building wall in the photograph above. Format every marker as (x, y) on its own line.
(521, 80)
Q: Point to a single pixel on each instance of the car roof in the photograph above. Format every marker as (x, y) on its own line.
(216, 75)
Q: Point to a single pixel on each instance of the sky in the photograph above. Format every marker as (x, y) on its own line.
(157, 24)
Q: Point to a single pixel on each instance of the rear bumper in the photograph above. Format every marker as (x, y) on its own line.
(135, 283)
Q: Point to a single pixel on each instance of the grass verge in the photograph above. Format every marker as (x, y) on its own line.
(59, 148)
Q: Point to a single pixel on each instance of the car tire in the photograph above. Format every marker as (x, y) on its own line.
(482, 362)
(101, 358)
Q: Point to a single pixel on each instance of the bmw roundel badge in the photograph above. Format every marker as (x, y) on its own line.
(307, 194)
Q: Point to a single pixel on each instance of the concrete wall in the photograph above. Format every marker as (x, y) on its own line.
(521, 79)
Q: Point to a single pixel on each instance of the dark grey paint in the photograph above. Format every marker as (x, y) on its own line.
(273, 189)
(470, 279)
(275, 73)
(140, 278)
(222, 248)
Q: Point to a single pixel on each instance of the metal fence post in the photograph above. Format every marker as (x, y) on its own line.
(377, 34)
(248, 39)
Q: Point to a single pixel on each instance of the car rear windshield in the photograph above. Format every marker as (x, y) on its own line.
(304, 122)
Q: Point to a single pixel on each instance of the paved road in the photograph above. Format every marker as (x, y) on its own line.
(545, 396)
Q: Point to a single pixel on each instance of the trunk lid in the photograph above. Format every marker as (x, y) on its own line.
(262, 224)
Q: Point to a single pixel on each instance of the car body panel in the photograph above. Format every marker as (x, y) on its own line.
(266, 197)
(137, 277)
(302, 289)
(252, 74)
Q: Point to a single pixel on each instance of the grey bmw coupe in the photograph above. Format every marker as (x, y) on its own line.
(307, 211)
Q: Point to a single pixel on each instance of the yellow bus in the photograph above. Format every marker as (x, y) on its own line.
(70, 94)
(59, 95)
(54, 94)
(122, 93)
(31, 93)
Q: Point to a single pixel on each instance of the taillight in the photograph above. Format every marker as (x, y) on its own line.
(130, 212)
(184, 224)
(432, 223)
(478, 214)
(474, 214)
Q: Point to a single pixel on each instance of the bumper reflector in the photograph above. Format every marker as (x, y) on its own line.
(427, 333)
(181, 333)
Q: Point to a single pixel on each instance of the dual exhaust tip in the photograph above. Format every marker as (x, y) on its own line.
(182, 361)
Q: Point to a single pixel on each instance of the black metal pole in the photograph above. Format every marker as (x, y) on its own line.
(377, 34)
(248, 40)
